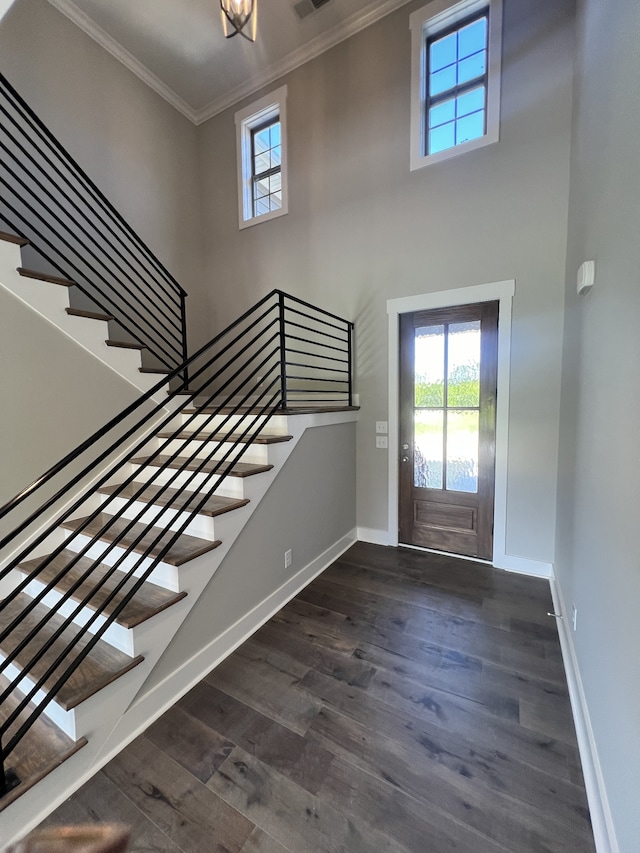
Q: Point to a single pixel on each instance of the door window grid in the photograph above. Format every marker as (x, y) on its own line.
(447, 409)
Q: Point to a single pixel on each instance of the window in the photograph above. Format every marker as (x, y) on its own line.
(455, 78)
(262, 171)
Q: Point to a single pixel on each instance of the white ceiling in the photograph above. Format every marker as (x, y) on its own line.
(177, 46)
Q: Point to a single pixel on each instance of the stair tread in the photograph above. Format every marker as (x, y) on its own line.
(161, 370)
(89, 315)
(102, 665)
(262, 438)
(42, 749)
(44, 276)
(149, 599)
(154, 494)
(238, 469)
(125, 344)
(186, 548)
(13, 238)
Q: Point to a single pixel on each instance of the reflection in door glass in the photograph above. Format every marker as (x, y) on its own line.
(428, 449)
(463, 368)
(429, 366)
(462, 450)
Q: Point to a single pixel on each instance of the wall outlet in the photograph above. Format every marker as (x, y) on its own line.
(382, 427)
(288, 559)
(382, 442)
(574, 616)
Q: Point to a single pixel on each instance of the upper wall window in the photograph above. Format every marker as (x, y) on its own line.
(262, 163)
(455, 78)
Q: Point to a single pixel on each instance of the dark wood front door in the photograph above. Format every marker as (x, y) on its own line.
(448, 382)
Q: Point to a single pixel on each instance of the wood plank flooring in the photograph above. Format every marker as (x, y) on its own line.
(402, 702)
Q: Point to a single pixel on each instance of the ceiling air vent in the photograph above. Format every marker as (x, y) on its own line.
(306, 7)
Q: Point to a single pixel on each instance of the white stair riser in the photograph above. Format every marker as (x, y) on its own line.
(163, 574)
(65, 720)
(231, 487)
(169, 519)
(236, 423)
(257, 453)
(116, 635)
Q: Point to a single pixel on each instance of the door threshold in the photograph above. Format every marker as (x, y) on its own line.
(446, 554)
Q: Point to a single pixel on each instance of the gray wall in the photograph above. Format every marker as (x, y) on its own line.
(597, 560)
(362, 229)
(142, 154)
(54, 395)
(139, 151)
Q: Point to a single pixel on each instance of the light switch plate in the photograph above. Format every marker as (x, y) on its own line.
(382, 442)
(382, 427)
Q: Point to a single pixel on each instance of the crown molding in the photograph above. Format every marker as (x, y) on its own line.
(322, 43)
(311, 50)
(88, 26)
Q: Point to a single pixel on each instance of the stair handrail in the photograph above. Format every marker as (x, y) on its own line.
(128, 281)
(252, 353)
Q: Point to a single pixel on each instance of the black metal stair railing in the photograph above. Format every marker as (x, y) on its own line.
(48, 199)
(282, 353)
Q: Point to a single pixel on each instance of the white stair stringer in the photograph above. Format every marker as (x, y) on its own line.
(98, 716)
(50, 301)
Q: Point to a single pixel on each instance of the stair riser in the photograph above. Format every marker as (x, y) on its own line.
(116, 635)
(143, 512)
(65, 720)
(258, 453)
(163, 574)
(232, 487)
(236, 423)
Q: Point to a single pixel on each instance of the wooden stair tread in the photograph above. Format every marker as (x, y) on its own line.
(125, 344)
(186, 548)
(235, 438)
(40, 751)
(102, 665)
(89, 315)
(13, 238)
(43, 276)
(238, 469)
(154, 494)
(162, 370)
(149, 599)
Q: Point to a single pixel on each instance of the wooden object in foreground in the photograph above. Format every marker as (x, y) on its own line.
(109, 838)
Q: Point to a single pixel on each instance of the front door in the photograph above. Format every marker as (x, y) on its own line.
(448, 384)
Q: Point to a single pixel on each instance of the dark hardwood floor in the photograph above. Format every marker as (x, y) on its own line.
(402, 702)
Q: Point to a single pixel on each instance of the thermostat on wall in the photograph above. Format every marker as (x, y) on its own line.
(586, 276)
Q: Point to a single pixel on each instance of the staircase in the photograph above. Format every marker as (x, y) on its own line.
(109, 550)
(136, 522)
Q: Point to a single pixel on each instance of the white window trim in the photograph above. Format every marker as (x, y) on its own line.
(430, 19)
(271, 106)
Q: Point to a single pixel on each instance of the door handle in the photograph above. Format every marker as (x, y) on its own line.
(405, 458)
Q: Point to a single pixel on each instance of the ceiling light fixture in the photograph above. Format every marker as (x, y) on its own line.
(238, 14)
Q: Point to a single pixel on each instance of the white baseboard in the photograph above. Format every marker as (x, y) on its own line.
(375, 537)
(524, 566)
(601, 817)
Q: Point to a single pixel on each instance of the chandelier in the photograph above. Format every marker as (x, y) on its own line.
(238, 15)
